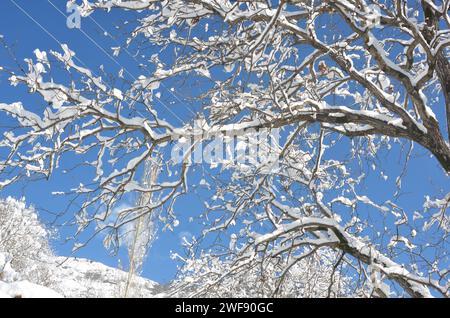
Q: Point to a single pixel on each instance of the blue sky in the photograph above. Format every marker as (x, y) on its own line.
(92, 47)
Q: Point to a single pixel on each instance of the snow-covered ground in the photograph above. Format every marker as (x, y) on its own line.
(85, 278)
(73, 277)
(25, 289)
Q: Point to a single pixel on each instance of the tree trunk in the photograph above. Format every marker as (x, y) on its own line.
(442, 63)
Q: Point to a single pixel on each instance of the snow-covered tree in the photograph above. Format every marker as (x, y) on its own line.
(26, 240)
(345, 81)
(210, 275)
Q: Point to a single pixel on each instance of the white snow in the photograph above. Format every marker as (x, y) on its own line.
(77, 277)
(25, 289)
(117, 93)
(72, 278)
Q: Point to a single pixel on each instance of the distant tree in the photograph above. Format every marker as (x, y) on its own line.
(26, 240)
(209, 275)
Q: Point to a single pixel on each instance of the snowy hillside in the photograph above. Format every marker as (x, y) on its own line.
(25, 289)
(29, 267)
(85, 278)
(72, 277)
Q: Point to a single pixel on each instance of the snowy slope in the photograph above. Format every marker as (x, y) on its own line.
(25, 289)
(12, 284)
(72, 277)
(76, 277)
